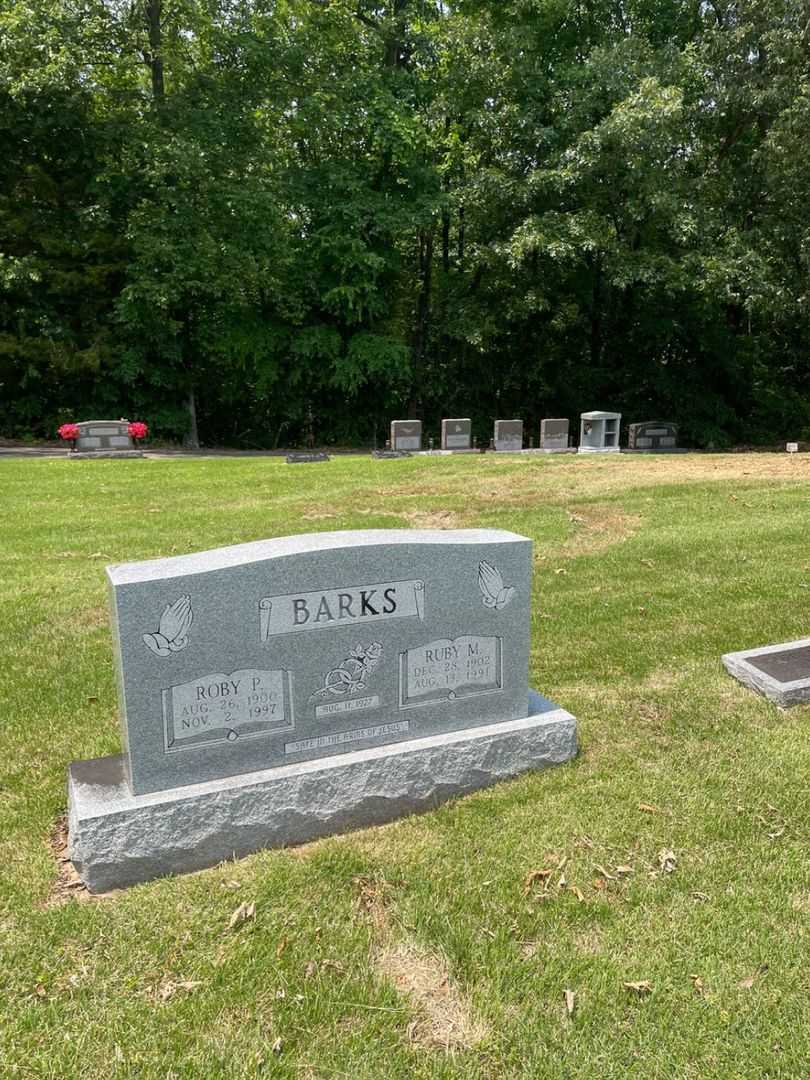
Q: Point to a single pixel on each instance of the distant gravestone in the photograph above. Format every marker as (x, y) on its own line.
(387, 455)
(599, 432)
(104, 438)
(792, 447)
(508, 435)
(457, 434)
(652, 435)
(780, 672)
(307, 458)
(284, 689)
(554, 434)
(406, 434)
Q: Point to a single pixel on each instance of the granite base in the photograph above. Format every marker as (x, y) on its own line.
(118, 839)
(86, 455)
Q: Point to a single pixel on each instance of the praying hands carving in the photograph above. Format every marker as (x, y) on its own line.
(172, 632)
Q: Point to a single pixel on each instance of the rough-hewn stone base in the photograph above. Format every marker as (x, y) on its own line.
(118, 839)
(85, 455)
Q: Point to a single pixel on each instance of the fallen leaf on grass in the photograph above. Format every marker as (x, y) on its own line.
(605, 874)
(334, 965)
(640, 988)
(169, 988)
(310, 970)
(646, 808)
(577, 893)
(622, 870)
(277, 1047)
(697, 982)
(667, 860)
(534, 876)
(570, 1001)
(746, 984)
(242, 914)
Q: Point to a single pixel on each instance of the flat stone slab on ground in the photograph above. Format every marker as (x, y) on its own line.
(780, 672)
(307, 457)
(119, 839)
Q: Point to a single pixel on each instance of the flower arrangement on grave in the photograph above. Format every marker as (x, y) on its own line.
(69, 433)
(138, 430)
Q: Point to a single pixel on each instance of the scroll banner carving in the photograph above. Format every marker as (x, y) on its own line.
(330, 608)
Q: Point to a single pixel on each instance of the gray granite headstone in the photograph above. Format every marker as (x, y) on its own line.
(269, 653)
(390, 455)
(652, 435)
(275, 659)
(508, 435)
(457, 434)
(406, 434)
(105, 438)
(780, 672)
(554, 434)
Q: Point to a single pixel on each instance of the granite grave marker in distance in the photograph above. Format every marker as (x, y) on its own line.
(105, 438)
(779, 672)
(508, 435)
(457, 434)
(554, 434)
(599, 432)
(281, 690)
(406, 434)
(652, 435)
(307, 457)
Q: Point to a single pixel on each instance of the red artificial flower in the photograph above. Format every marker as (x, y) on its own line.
(138, 430)
(68, 431)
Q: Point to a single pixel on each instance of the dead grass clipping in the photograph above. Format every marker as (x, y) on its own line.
(443, 1018)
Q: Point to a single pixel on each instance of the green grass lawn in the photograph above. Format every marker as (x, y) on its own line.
(677, 842)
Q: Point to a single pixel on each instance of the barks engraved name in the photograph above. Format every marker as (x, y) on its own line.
(328, 608)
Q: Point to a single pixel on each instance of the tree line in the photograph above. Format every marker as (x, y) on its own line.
(242, 220)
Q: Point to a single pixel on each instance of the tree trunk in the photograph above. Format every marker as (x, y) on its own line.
(193, 437)
(154, 58)
(422, 326)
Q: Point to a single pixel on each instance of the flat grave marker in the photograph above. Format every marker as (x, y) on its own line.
(307, 457)
(780, 673)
